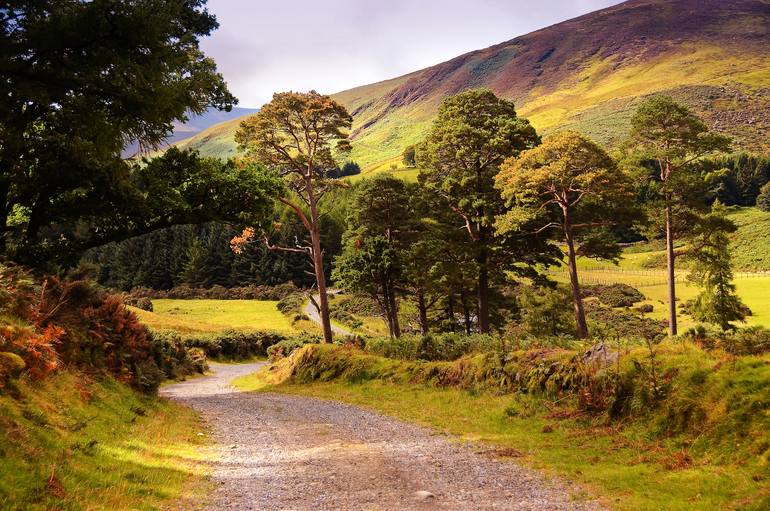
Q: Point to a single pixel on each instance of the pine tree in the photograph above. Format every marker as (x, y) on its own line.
(712, 271)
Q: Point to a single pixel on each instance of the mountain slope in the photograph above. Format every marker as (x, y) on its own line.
(196, 124)
(587, 73)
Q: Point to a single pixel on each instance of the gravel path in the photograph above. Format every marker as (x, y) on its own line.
(287, 452)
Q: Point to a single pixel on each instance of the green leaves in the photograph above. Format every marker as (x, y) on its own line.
(80, 79)
(568, 181)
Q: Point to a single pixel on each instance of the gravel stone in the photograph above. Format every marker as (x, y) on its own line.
(302, 453)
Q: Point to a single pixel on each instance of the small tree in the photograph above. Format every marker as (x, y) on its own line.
(712, 271)
(409, 158)
(763, 199)
(375, 244)
(571, 185)
(674, 138)
(296, 134)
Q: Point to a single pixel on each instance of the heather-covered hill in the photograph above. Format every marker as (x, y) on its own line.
(587, 73)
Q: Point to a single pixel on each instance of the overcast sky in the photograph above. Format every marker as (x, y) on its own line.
(331, 45)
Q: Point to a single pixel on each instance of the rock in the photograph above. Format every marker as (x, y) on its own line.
(424, 495)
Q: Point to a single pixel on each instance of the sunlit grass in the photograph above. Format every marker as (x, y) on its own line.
(209, 316)
(73, 444)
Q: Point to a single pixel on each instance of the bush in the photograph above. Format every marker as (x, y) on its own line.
(754, 340)
(291, 305)
(763, 199)
(346, 318)
(444, 346)
(52, 322)
(287, 346)
(215, 293)
(621, 323)
(142, 303)
(234, 345)
(613, 295)
(645, 308)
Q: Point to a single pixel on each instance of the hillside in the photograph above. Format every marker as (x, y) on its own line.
(587, 73)
(195, 125)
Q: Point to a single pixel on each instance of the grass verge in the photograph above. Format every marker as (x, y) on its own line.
(705, 448)
(72, 443)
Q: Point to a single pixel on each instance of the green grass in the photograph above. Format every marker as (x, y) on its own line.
(750, 248)
(629, 465)
(71, 443)
(210, 316)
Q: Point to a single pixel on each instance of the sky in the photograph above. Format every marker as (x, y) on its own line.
(264, 46)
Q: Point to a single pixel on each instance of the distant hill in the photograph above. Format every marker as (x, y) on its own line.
(196, 125)
(587, 73)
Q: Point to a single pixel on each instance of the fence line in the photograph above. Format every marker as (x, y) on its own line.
(587, 275)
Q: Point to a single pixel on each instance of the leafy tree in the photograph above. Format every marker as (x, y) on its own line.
(380, 229)
(712, 271)
(296, 135)
(471, 136)
(763, 199)
(80, 79)
(674, 138)
(409, 156)
(569, 185)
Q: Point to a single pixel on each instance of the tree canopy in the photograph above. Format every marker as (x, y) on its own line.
(80, 80)
(570, 186)
(474, 132)
(298, 136)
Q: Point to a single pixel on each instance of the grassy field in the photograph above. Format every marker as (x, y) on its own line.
(750, 246)
(629, 464)
(70, 443)
(211, 316)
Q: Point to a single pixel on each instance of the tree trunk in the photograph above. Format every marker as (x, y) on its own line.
(671, 273)
(396, 328)
(577, 300)
(423, 311)
(483, 292)
(466, 314)
(451, 311)
(323, 299)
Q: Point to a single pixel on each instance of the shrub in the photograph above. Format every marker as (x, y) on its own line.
(142, 303)
(645, 308)
(174, 358)
(234, 345)
(53, 321)
(287, 346)
(754, 340)
(613, 295)
(215, 292)
(346, 318)
(360, 305)
(763, 199)
(38, 351)
(444, 346)
(291, 304)
(621, 323)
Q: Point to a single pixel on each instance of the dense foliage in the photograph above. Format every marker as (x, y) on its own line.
(80, 80)
(47, 323)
